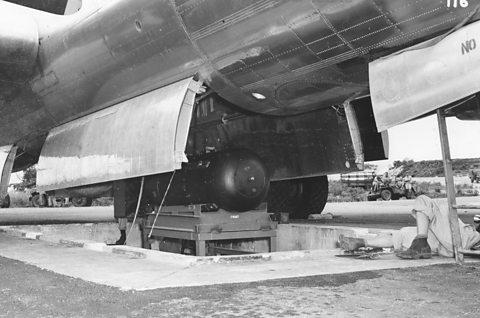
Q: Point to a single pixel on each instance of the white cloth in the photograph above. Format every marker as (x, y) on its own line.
(439, 235)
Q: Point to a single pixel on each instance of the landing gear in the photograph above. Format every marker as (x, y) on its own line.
(39, 200)
(81, 201)
(300, 197)
(386, 194)
(5, 203)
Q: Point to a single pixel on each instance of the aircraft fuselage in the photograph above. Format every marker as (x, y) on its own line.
(296, 55)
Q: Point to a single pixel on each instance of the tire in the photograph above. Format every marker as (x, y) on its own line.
(410, 195)
(283, 195)
(82, 201)
(5, 202)
(386, 195)
(299, 198)
(315, 195)
(39, 201)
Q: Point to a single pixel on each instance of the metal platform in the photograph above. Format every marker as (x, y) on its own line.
(204, 228)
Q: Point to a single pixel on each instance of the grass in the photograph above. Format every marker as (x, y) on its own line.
(18, 199)
(434, 168)
(340, 192)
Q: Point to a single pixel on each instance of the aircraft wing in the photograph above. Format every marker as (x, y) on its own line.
(426, 77)
(19, 43)
(52, 6)
(19, 47)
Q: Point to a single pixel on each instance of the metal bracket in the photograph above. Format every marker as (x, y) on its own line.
(354, 129)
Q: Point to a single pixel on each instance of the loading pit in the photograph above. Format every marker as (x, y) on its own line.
(289, 237)
(196, 231)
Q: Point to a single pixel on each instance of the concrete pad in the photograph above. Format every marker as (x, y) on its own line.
(294, 237)
(95, 246)
(33, 235)
(301, 238)
(106, 233)
(289, 236)
(128, 272)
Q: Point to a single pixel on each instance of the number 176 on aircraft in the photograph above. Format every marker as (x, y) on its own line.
(456, 3)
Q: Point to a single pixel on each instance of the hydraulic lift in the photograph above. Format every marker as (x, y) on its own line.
(206, 229)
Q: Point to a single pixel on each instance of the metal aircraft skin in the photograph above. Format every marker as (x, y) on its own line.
(265, 57)
(300, 55)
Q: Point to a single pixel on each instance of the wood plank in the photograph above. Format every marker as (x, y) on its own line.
(452, 202)
(467, 207)
(475, 253)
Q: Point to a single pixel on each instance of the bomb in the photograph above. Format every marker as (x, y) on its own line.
(234, 180)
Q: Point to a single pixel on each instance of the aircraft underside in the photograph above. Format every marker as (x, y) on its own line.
(222, 155)
(222, 103)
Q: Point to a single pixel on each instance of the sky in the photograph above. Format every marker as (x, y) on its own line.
(420, 140)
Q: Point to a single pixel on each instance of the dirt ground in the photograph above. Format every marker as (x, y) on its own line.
(434, 291)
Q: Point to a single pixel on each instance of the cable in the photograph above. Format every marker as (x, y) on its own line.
(137, 209)
(161, 204)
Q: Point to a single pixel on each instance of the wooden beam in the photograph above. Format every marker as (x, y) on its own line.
(452, 202)
(467, 207)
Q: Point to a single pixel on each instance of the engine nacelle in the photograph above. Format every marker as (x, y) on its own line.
(234, 180)
(18, 44)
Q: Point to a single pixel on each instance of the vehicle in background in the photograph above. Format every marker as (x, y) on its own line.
(386, 188)
(467, 192)
(5, 203)
(40, 200)
(474, 175)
